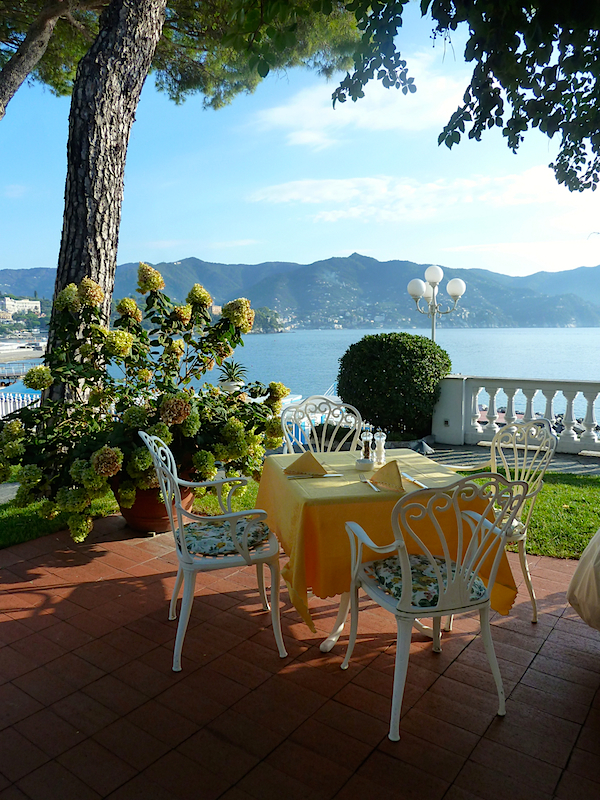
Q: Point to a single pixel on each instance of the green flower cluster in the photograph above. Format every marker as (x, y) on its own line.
(127, 307)
(38, 378)
(107, 461)
(175, 409)
(162, 431)
(126, 494)
(204, 464)
(191, 425)
(80, 526)
(72, 499)
(68, 299)
(90, 293)
(198, 296)
(135, 417)
(140, 462)
(240, 314)
(183, 313)
(119, 343)
(149, 279)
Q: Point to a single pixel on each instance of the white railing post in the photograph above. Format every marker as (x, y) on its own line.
(474, 432)
(492, 415)
(588, 437)
(529, 393)
(568, 438)
(509, 414)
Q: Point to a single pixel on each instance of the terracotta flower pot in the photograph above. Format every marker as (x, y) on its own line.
(148, 513)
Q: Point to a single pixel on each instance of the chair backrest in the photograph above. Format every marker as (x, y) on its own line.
(456, 530)
(523, 451)
(166, 472)
(321, 425)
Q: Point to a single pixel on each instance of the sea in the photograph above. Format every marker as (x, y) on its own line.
(307, 361)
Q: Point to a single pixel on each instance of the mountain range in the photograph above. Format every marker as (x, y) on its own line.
(360, 291)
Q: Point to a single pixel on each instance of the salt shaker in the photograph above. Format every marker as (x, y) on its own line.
(379, 448)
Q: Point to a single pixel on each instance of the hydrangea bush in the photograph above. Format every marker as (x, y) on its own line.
(144, 374)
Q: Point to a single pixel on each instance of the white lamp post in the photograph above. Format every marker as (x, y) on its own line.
(418, 290)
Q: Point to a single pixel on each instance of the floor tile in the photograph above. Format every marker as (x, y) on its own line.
(90, 706)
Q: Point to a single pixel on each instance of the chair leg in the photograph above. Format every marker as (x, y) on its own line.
(353, 625)
(260, 577)
(486, 635)
(447, 626)
(527, 576)
(404, 628)
(189, 585)
(437, 634)
(275, 612)
(175, 595)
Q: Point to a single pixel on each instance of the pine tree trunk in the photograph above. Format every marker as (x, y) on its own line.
(31, 49)
(105, 97)
(106, 93)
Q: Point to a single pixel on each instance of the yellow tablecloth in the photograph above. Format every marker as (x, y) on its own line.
(308, 517)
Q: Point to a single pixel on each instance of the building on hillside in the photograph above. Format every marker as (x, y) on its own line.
(20, 306)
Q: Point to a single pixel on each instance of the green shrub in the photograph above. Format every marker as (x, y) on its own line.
(393, 380)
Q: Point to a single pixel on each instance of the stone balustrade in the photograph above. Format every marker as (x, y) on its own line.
(471, 409)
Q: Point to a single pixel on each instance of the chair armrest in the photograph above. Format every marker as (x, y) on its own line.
(358, 537)
(218, 484)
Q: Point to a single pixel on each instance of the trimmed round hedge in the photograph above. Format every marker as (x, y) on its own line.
(393, 380)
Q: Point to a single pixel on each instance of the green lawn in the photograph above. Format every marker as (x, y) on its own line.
(566, 516)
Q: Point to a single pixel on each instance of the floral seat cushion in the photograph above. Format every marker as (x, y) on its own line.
(213, 539)
(425, 592)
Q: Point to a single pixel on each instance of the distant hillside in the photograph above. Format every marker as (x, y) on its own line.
(28, 281)
(359, 291)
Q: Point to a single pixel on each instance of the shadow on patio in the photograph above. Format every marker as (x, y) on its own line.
(89, 706)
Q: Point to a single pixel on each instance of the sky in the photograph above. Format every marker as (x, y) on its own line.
(280, 175)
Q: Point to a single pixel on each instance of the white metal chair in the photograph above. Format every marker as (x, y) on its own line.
(523, 451)
(417, 579)
(231, 539)
(321, 425)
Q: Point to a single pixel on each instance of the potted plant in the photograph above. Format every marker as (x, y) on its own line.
(146, 373)
(233, 376)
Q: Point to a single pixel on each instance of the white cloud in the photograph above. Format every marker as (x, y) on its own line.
(387, 198)
(15, 190)
(309, 119)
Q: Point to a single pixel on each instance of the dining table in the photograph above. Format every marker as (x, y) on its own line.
(309, 514)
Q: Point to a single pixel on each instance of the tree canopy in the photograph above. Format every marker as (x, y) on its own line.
(536, 65)
(44, 40)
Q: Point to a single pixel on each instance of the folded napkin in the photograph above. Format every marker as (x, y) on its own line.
(389, 477)
(306, 464)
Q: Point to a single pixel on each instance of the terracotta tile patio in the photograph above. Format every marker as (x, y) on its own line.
(89, 706)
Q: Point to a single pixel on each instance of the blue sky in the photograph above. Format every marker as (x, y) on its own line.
(280, 175)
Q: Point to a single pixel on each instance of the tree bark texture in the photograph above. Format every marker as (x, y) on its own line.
(106, 93)
(31, 49)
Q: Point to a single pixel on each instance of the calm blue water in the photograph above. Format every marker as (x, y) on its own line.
(307, 361)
